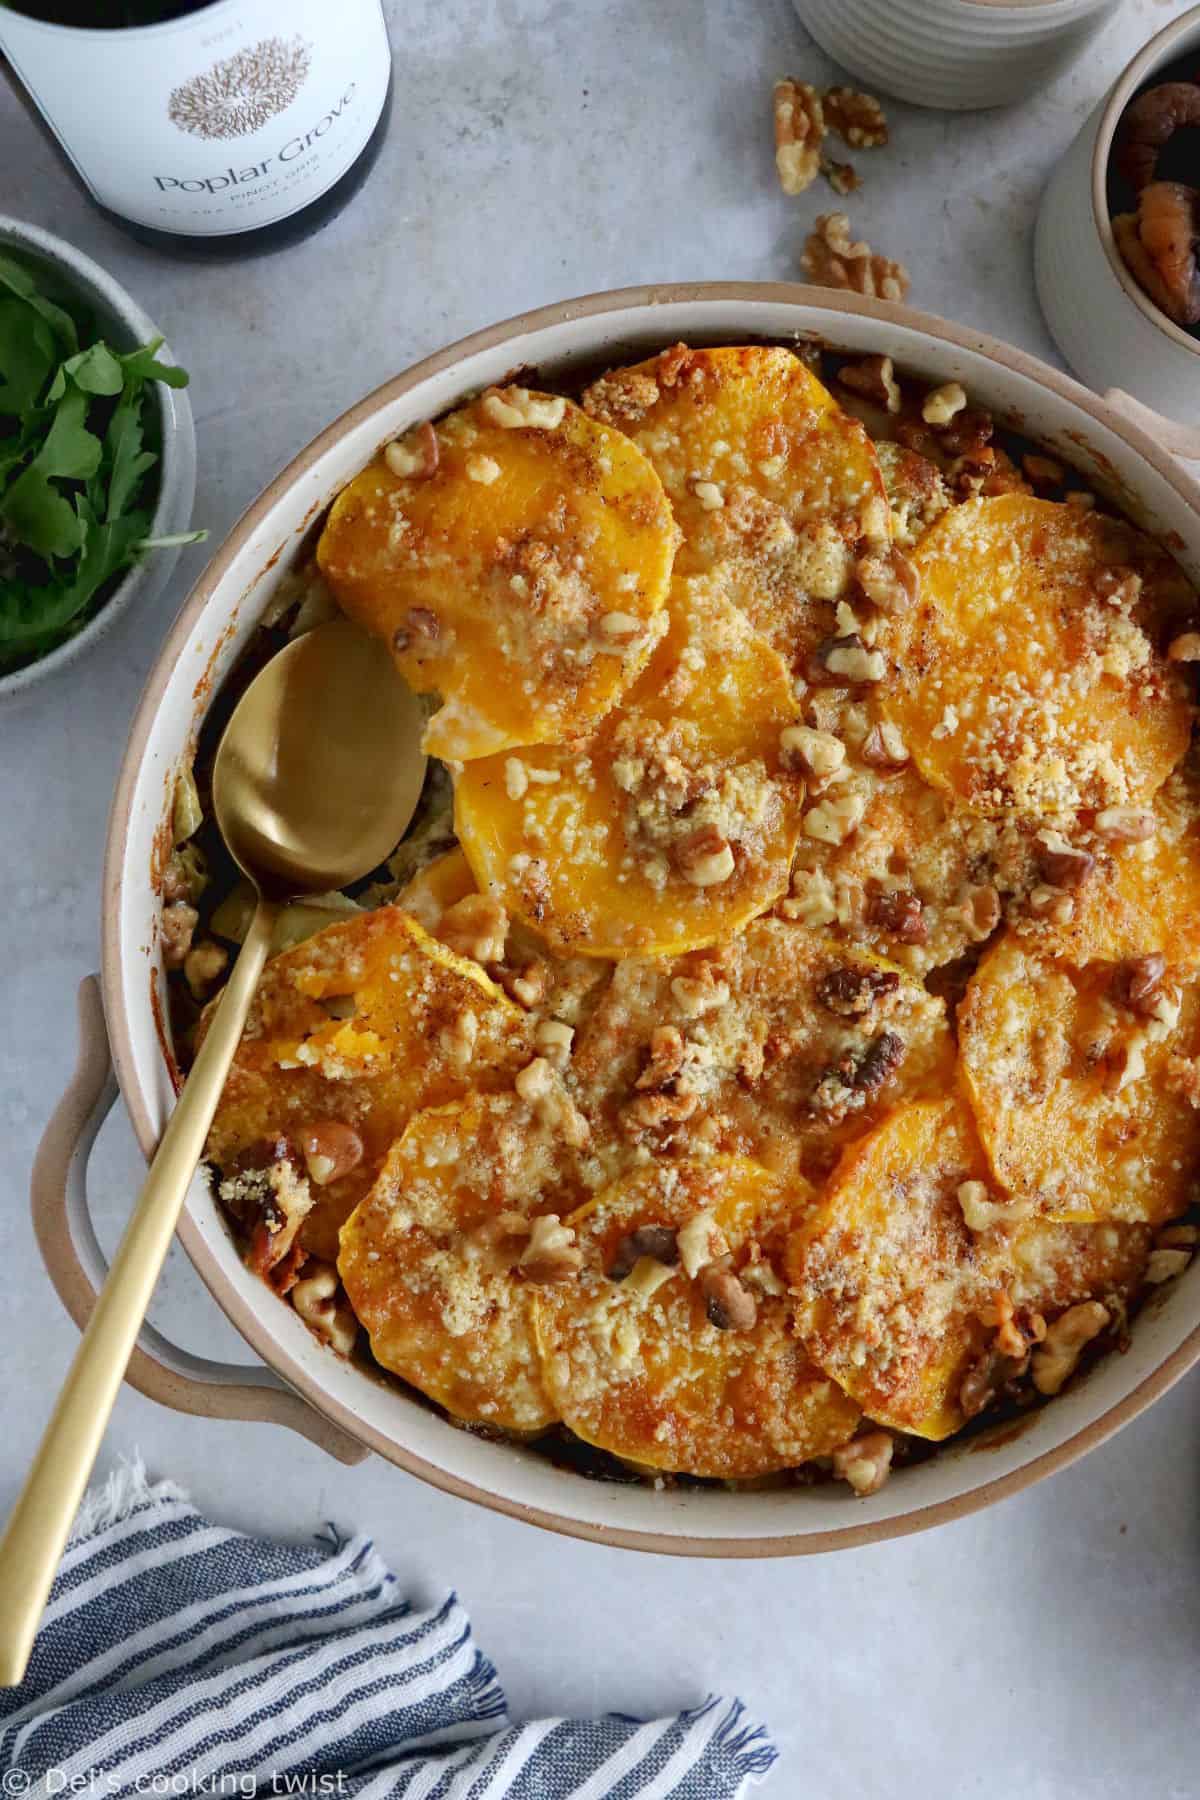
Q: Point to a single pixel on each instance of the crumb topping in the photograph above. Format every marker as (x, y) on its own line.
(790, 1046)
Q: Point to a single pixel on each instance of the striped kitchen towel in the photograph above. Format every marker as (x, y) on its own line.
(178, 1658)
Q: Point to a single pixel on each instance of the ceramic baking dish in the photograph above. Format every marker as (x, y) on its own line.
(345, 1406)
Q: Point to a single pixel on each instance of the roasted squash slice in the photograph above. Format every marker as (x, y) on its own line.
(365, 1024)
(889, 1282)
(909, 882)
(644, 1359)
(1135, 899)
(516, 571)
(1045, 1265)
(431, 1257)
(1071, 1087)
(768, 478)
(1027, 677)
(778, 1046)
(674, 824)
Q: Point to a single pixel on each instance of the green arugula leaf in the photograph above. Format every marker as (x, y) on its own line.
(20, 282)
(95, 370)
(27, 357)
(34, 513)
(173, 540)
(123, 450)
(107, 549)
(70, 451)
(143, 365)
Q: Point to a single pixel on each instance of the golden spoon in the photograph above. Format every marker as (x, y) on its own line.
(316, 778)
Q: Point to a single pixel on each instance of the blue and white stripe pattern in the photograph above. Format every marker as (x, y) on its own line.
(178, 1658)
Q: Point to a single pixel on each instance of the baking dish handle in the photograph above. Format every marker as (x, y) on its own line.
(1180, 440)
(76, 1265)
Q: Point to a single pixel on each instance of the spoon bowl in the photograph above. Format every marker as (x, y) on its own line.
(320, 767)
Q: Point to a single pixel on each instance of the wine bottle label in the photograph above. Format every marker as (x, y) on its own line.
(226, 120)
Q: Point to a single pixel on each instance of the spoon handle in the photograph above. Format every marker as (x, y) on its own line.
(41, 1519)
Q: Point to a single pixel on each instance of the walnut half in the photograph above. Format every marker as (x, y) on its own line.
(865, 1462)
(1057, 1357)
(319, 1300)
(799, 132)
(551, 1255)
(831, 258)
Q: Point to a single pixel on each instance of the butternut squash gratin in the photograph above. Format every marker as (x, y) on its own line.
(776, 1044)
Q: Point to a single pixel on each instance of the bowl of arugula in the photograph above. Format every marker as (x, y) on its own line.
(97, 455)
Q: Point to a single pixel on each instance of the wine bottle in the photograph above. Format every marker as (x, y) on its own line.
(211, 127)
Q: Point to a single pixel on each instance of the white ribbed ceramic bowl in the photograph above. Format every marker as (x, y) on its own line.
(957, 54)
(1110, 332)
(325, 1395)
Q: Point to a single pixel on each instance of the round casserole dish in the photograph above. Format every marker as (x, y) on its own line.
(562, 342)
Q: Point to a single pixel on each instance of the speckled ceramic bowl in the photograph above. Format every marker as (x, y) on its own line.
(125, 325)
(348, 1407)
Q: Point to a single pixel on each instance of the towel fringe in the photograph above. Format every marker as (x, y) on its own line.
(126, 1487)
(484, 1685)
(747, 1743)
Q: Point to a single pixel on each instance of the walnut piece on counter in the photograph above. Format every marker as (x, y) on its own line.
(803, 116)
(842, 177)
(831, 258)
(857, 118)
(799, 133)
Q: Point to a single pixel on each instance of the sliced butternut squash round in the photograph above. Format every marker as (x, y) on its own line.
(363, 1024)
(1127, 899)
(436, 1259)
(1028, 678)
(1069, 1072)
(674, 824)
(889, 1282)
(767, 475)
(674, 1348)
(514, 556)
(914, 880)
(1045, 1265)
(779, 1046)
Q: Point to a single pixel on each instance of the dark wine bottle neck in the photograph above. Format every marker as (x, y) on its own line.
(100, 15)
